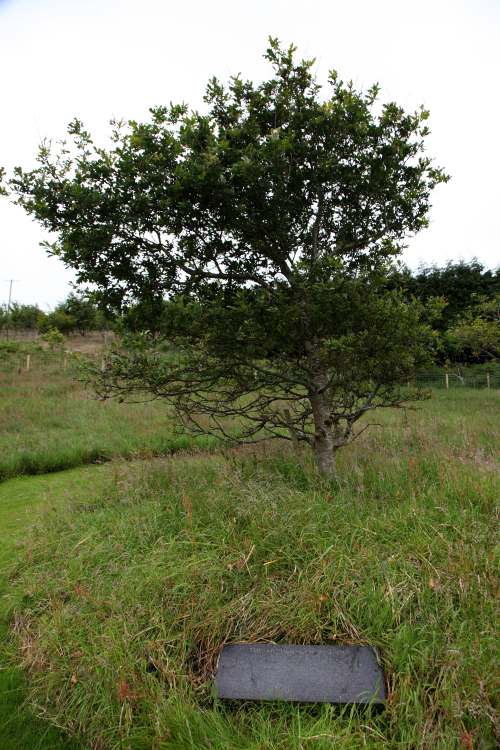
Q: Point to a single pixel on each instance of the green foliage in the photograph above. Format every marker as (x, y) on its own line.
(24, 316)
(244, 356)
(76, 313)
(19, 317)
(54, 338)
(58, 320)
(476, 334)
(3, 189)
(82, 312)
(277, 210)
(269, 173)
(465, 296)
(4, 317)
(462, 285)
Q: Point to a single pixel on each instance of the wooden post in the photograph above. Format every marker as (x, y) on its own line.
(28, 361)
(446, 380)
(103, 365)
(65, 362)
(488, 383)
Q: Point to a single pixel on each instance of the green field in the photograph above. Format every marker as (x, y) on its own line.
(49, 422)
(135, 572)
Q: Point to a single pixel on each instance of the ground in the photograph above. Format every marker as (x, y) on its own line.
(140, 566)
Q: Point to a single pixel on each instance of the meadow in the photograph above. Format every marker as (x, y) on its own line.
(123, 579)
(50, 422)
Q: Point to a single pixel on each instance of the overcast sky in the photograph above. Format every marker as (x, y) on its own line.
(99, 59)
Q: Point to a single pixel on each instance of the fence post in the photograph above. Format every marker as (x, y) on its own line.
(446, 380)
(488, 383)
(28, 361)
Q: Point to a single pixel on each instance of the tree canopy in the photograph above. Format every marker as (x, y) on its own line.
(475, 336)
(462, 284)
(269, 221)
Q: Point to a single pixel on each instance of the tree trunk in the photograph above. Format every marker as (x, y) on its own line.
(323, 438)
(323, 453)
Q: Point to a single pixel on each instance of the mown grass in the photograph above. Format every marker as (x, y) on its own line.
(123, 601)
(49, 422)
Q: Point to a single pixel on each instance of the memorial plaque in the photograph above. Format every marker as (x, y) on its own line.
(313, 674)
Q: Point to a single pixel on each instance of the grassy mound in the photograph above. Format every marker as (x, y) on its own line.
(129, 595)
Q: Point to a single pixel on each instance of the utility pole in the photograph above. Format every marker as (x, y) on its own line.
(11, 281)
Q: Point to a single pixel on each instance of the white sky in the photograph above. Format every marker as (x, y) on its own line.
(98, 59)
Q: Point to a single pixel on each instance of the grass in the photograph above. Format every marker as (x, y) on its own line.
(49, 422)
(126, 591)
(22, 500)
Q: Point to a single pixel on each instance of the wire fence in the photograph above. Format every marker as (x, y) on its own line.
(63, 361)
(474, 377)
(38, 362)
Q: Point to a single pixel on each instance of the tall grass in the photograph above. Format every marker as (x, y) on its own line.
(49, 422)
(126, 598)
(21, 500)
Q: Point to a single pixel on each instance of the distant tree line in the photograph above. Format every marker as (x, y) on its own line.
(465, 313)
(76, 314)
(466, 326)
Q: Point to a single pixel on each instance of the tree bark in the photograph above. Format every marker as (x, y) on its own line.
(323, 438)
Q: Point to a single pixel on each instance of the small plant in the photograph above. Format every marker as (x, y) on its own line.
(54, 338)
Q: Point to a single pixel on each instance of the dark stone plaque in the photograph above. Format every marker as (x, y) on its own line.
(314, 674)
